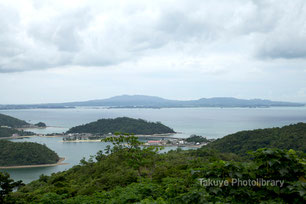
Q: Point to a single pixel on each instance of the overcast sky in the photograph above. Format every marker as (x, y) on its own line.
(56, 51)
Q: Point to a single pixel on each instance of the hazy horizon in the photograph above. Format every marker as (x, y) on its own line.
(63, 51)
(177, 99)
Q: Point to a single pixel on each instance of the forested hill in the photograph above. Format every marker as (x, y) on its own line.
(129, 173)
(287, 137)
(9, 121)
(25, 153)
(124, 125)
(8, 132)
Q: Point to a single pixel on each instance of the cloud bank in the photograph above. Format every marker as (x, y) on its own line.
(40, 35)
(57, 51)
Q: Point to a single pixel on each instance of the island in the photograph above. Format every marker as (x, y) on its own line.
(122, 125)
(26, 154)
(41, 125)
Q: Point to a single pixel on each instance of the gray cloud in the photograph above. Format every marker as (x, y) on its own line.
(287, 37)
(101, 33)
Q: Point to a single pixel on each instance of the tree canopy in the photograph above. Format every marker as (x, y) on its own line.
(127, 173)
(122, 124)
(8, 132)
(40, 124)
(7, 185)
(10, 121)
(25, 153)
(197, 138)
(287, 137)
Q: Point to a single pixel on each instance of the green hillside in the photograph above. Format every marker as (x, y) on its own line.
(129, 173)
(9, 121)
(287, 137)
(8, 132)
(25, 153)
(122, 124)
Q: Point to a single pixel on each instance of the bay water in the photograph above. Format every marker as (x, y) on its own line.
(207, 122)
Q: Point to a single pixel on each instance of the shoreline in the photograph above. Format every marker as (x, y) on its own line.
(28, 136)
(18, 137)
(59, 162)
(192, 146)
(139, 136)
(81, 140)
(36, 127)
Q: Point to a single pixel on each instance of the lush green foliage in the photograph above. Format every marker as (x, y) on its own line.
(129, 173)
(197, 138)
(287, 137)
(8, 132)
(25, 153)
(7, 185)
(9, 121)
(40, 124)
(122, 124)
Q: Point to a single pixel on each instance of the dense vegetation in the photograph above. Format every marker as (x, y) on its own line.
(128, 173)
(287, 137)
(9, 121)
(8, 132)
(7, 185)
(41, 124)
(25, 153)
(197, 138)
(122, 124)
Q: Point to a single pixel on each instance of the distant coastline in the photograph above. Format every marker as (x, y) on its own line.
(167, 135)
(60, 162)
(143, 101)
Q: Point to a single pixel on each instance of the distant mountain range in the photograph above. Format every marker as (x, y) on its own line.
(142, 101)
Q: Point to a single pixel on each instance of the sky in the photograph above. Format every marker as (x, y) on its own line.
(74, 50)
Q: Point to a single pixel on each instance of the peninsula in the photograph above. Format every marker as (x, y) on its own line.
(14, 127)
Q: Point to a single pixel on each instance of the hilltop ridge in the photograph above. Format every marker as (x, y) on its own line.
(143, 101)
(9, 121)
(124, 125)
(287, 137)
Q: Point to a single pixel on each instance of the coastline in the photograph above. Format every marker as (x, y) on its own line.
(28, 136)
(192, 146)
(59, 162)
(158, 135)
(50, 136)
(140, 136)
(17, 137)
(36, 127)
(81, 140)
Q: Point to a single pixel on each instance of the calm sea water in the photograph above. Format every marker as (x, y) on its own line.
(208, 122)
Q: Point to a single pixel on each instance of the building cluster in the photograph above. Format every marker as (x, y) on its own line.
(82, 136)
(164, 141)
(174, 142)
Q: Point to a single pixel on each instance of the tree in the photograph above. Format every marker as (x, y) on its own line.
(139, 157)
(7, 185)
